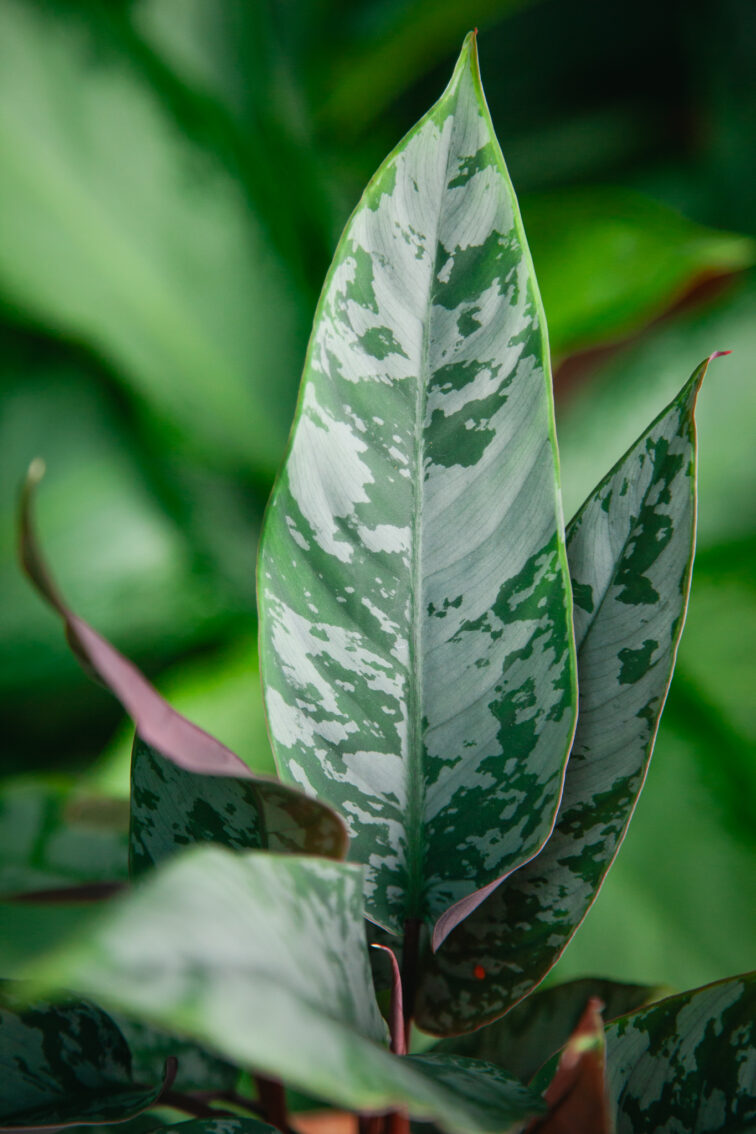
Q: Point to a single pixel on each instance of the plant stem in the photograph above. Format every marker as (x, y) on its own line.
(410, 954)
(273, 1101)
(371, 1123)
(398, 1123)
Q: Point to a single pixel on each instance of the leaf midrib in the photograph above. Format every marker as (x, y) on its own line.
(415, 818)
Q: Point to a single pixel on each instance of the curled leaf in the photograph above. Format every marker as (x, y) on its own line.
(313, 827)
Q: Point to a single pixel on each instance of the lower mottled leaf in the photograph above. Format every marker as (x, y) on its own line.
(197, 1069)
(540, 1025)
(263, 958)
(630, 550)
(482, 1091)
(687, 1063)
(172, 808)
(66, 1063)
(226, 1125)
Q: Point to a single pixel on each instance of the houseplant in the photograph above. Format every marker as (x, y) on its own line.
(462, 700)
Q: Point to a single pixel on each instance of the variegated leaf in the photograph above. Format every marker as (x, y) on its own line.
(416, 635)
(65, 1063)
(172, 808)
(630, 550)
(197, 1069)
(687, 1063)
(228, 1124)
(539, 1026)
(299, 822)
(263, 958)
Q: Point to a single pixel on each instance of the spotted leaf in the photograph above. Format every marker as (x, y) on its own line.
(416, 636)
(263, 959)
(687, 1063)
(172, 808)
(66, 1063)
(299, 823)
(630, 550)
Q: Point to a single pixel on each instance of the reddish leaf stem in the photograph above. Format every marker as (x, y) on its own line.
(273, 1101)
(410, 956)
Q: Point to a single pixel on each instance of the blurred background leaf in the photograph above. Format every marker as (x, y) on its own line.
(174, 175)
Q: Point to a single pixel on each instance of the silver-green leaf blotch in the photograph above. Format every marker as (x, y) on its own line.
(65, 1063)
(171, 808)
(262, 958)
(687, 1063)
(630, 549)
(416, 634)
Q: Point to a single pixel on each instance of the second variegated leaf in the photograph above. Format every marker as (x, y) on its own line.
(416, 634)
(630, 549)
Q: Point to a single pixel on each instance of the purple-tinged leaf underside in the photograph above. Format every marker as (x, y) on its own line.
(415, 612)
(65, 1064)
(630, 549)
(312, 827)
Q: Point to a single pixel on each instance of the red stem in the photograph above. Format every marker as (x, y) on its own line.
(273, 1101)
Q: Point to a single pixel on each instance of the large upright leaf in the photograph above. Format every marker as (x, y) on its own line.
(263, 958)
(65, 1063)
(416, 637)
(687, 1063)
(630, 550)
(303, 823)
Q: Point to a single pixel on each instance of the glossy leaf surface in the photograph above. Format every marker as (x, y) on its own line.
(65, 1063)
(687, 1063)
(416, 639)
(538, 1027)
(263, 958)
(630, 550)
(305, 824)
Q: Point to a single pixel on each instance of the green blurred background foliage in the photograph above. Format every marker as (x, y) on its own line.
(174, 175)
